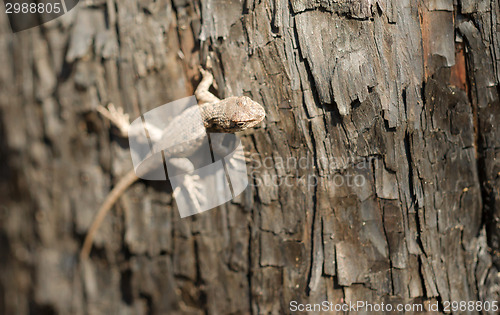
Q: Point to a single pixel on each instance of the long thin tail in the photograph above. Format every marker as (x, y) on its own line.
(113, 196)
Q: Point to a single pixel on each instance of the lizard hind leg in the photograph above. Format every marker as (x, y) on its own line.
(193, 190)
(190, 187)
(117, 116)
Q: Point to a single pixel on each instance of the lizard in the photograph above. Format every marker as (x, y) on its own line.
(229, 115)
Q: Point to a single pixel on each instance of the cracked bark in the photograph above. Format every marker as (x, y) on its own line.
(402, 96)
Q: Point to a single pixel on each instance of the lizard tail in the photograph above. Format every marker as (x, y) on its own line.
(113, 196)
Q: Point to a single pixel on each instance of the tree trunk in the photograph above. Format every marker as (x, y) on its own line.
(375, 176)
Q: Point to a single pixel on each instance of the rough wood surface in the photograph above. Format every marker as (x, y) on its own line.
(374, 178)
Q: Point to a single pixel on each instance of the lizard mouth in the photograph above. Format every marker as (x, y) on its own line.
(250, 123)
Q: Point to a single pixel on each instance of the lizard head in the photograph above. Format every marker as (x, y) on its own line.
(235, 114)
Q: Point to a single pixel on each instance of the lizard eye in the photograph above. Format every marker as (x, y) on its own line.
(238, 124)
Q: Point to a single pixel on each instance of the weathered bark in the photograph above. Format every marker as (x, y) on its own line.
(375, 175)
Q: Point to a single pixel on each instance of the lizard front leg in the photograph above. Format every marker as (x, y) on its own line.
(202, 93)
(222, 149)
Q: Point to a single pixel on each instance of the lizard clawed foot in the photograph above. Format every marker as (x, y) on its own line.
(202, 93)
(237, 162)
(207, 75)
(194, 190)
(117, 117)
(238, 157)
(242, 155)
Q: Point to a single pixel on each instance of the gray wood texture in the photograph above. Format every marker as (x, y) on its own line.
(375, 176)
